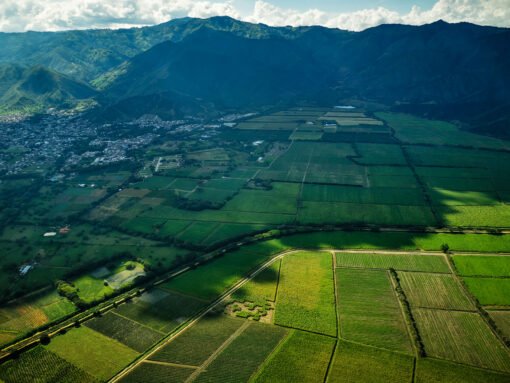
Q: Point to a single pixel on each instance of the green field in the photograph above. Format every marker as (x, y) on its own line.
(157, 373)
(92, 352)
(130, 333)
(411, 262)
(369, 311)
(487, 266)
(461, 337)
(241, 359)
(289, 363)
(490, 291)
(41, 365)
(502, 319)
(434, 370)
(354, 363)
(439, 291)
(195, 345)
(262, 288)
(311, 305)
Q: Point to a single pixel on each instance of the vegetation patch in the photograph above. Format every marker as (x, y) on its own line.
(490, 291)
(306, 297)
(413, 262)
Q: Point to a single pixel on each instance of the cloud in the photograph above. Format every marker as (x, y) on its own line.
(23, 15)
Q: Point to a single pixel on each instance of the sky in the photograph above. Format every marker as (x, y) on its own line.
(53, 15)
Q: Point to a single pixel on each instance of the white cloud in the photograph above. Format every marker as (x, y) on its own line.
(22, 15)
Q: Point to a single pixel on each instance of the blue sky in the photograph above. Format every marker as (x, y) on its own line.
(52, 15)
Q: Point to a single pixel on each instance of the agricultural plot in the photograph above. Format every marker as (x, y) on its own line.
(262, 288)
(241, 358)
(461, 337)
(306, 298)
(18, 318)
(378, 154)
(490, 291)
(338, 213)
(128, 332)
(463, 198)
(357, 195)
(220, 274)
(289, 363)
(502, 319)
(354, 363)
(160, 310)
(476, 216)
(41, 365)
(440, 371)
(486, 266)
(157, 373)
(194, 346)
(440, 291)
(369, 311)
(92, 352)
(411, 262)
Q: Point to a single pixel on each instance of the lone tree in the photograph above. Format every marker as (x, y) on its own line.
(445, 248)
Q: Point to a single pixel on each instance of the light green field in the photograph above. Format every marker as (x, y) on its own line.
(369, 310)
(290, 364)
(306, 297)
(476, 216)
(490, 291)
(92, 289)
(441, 291)
(411, 262)
(463, 198)
(354, 363)
(440, 371)
(487, 266)
(262, 288)
(96, 354)
(461, 337)
(380, 154)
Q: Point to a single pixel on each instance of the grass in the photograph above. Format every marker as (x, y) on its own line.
(98, 355)
(490, 291)
(440, 371)
(354, 363)
(197, 343)
(126, 331)
(461, 337)
(197, 232)
(412, 262)
(262, 288)
(369, 310)
(41, 365)
(157, 373)
(289, 363)
(91, 289)
(440, 291)
(487, 266)
(160, 310)
(241, 359)
(306, 298)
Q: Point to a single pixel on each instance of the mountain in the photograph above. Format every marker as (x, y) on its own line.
(190, 65)
(86, 54)
(36, 89)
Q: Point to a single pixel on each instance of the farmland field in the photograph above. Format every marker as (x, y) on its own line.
(369, 311)
(411, 262)
(487, 266)
(310, 305)
(355, 363)
(157, 373)
(289, 363)
(490, 291)
(440, 291)
(461, 337)
(92, 352)
(502, 319)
